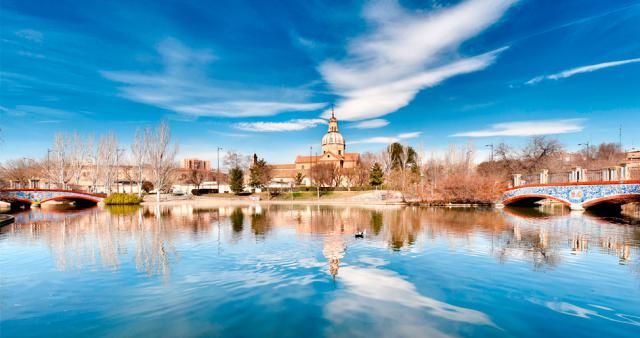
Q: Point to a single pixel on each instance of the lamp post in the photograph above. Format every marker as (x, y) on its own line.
(49, 151)
(218, 171)
(118, 150)
(491, 146)
(587, 146)
(310, 165)
(317, 185)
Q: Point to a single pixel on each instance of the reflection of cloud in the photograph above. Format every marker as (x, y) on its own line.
(576, 311)
(368, 287)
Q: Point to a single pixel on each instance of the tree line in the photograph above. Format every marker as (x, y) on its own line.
(102, 162)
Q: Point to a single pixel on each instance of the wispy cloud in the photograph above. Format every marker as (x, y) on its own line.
(291, 125)
(370, 124)
(585, 69)
(388, 139)
(528, 128)
(43, 112)
(405, 53)
(224, 133)
(182, 87)
(30, 34)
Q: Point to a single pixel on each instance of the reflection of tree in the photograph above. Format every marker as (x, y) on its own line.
(376, 222)
(154, 245)
(404, 226)
(237, 220)
(260, 223)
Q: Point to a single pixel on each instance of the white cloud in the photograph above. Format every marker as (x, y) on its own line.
(291, 125)
(579, 70)
(30, 34)
(528, 128)
(388, 139)
(370, 124)
(405, 53)
(183, 88)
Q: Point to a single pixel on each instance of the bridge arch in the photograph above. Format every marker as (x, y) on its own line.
(612, 200)
(78, 198)
(529, 199)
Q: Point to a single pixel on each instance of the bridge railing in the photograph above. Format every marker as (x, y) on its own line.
(577, 174)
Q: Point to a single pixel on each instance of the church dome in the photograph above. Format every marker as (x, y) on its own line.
(332, 138)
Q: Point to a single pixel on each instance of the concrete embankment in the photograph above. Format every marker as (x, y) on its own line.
(6, 219)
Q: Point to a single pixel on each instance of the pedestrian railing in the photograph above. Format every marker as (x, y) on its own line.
(577, 174)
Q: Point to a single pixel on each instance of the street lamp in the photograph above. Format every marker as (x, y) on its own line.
(49, 151)
(587, 146)
(491, 146)
(218, 173)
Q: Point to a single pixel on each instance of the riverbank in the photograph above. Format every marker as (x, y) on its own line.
(379, 197)
(6, 219)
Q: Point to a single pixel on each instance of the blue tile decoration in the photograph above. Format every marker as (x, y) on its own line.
(37, 196)
(576, 194)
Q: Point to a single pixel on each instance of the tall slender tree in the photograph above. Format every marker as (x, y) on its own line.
(162, 155)
(140, 155)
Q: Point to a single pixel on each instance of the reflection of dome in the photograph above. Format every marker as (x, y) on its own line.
(334, 248)
(333, 138)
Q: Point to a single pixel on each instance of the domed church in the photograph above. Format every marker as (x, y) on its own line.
(334, 152)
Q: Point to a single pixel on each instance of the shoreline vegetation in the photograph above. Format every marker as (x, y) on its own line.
(122, 199)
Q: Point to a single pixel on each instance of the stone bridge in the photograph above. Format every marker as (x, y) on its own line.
(576, 195)
(28, 197)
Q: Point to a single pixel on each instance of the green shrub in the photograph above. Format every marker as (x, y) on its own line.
(122, 199)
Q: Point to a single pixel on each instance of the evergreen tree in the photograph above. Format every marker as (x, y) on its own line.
(236, 180)
(260, 174)
(376, 177)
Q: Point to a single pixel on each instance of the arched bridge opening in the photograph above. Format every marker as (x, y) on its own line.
(611, 203)
(531, 200)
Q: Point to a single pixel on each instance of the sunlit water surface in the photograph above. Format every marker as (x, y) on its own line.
(298, 271)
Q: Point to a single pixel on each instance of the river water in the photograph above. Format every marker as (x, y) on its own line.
(298, 271)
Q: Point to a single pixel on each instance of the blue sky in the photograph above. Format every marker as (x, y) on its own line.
(261, 76)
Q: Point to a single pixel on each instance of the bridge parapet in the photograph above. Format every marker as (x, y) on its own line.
(577, 174)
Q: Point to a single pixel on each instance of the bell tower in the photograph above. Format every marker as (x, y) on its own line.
(333, 141)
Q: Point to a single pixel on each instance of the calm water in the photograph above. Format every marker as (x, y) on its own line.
(298, 271)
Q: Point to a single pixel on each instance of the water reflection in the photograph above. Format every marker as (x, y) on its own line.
(418, 272)
(98, 236)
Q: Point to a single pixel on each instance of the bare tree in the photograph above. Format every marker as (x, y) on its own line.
(234, 159)
(197, 177)
(323, 174)
(79, 153)
(162, 157)
(20, 171)
(108, 153)
(62, 159)
(539, 152)
(140, 154)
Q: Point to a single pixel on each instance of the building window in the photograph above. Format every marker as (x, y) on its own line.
(303, 166)
(339, 152)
